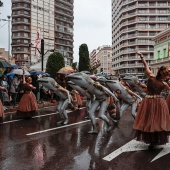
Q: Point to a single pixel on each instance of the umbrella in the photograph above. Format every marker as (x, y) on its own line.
(39, 73)
(20, 72)
(4, 64)
(86, 72)
(14, 66)
(66, 70)
(11, 75)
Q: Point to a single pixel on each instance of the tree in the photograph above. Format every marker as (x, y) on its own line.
(84, 60)
(1, 3)
(54, 63)
(74, 65)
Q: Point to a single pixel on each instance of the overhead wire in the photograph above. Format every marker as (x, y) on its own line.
(4, 25)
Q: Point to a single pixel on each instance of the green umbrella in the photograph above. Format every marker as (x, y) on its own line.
(4, 64)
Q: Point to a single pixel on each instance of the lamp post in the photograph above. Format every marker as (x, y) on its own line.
(41, 52)
(8, 35)
(9, 38)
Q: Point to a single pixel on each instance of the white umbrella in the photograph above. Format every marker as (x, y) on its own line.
(20, 72)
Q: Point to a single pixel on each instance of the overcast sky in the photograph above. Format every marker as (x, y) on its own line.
(92, 24)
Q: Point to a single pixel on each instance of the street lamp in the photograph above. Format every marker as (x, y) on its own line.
(8, 35)
(41, 52)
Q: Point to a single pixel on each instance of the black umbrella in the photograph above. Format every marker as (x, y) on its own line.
(4, 64)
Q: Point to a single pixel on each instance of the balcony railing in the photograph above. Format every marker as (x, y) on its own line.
(166, 59)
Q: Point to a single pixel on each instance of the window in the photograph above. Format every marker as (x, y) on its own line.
(164, 52)
(158, 54)
(25, 34)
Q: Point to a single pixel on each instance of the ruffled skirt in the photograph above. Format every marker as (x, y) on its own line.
(27, 106)
(152, 123)
(1, 112)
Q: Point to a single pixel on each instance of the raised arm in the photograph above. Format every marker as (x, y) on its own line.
(147, 70)
(23, 76)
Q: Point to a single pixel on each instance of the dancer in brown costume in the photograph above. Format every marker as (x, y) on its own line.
(152, 123)
(1, 106)
(28, 104)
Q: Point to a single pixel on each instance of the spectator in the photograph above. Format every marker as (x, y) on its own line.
(20, 90)
(4, 84)
(36, 85)
(14, 89)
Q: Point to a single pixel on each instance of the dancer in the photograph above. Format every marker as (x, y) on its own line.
(152, 123)
(102, 99)
(64, 95)
(126, 95)
(28, 103)
(1, 106)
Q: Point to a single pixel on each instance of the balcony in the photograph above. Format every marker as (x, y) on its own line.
(21, 1)
(166, 59)
(20, 52)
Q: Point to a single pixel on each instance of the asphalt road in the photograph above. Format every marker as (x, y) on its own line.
(40, 144)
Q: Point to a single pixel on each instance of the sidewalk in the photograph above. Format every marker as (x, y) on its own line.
(40, 105)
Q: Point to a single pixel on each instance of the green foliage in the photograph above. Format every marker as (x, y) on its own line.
(1, 3)
(54, 63)
(74, 65)
(84, 60)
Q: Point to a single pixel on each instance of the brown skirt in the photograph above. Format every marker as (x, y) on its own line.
(152, 123)
(1, 112)
(27, 106)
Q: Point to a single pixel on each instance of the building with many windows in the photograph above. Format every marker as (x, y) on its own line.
(134, 24)
(161, 50)
(103, 54)
(33, 20)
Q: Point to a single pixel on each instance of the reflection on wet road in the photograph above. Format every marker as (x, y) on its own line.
(39, 143)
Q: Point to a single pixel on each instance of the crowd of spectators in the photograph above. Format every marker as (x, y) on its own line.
(15, 90)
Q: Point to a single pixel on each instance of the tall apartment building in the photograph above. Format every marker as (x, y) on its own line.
(103, 54)
(134, 24)
(33, 20)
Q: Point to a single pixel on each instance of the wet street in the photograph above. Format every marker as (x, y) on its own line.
(39, 143)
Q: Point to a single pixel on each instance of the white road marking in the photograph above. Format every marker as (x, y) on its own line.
(163, 152)
(43, 131)
(130, 146)
(137, 146)
(68, 111)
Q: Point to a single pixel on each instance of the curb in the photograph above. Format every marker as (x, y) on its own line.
(41, 105)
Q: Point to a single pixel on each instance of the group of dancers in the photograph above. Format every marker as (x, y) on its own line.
(151, 112)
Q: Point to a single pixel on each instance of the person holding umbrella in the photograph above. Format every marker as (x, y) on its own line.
(28, 103)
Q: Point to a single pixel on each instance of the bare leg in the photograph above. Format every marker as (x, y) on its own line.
(92, 110)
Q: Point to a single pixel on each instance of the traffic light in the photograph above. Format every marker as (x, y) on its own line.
(101, 70)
